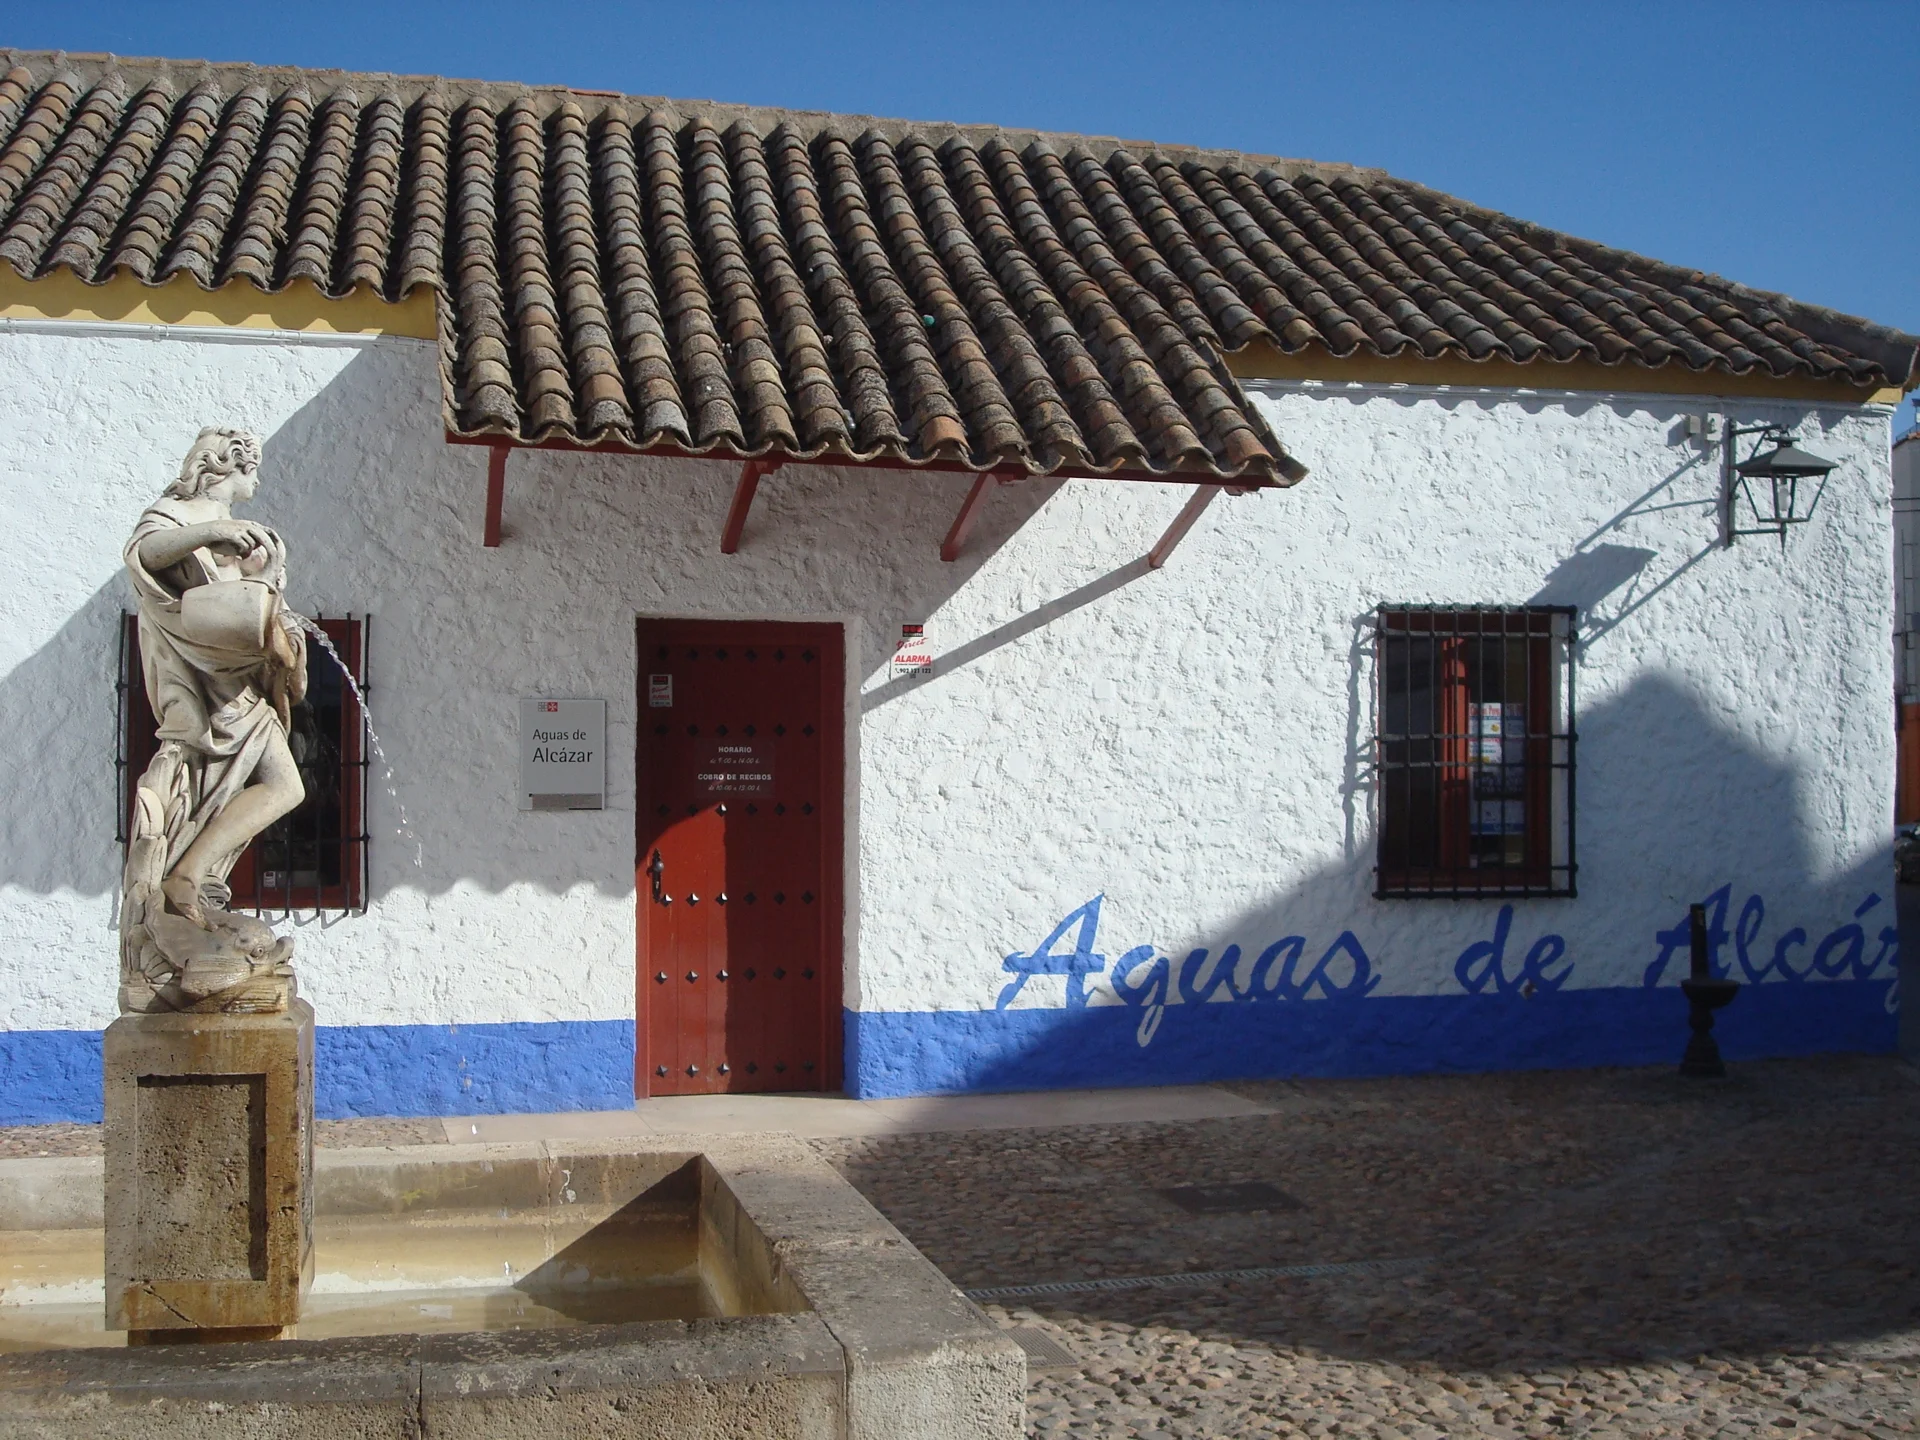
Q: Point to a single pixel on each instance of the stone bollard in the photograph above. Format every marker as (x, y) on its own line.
(209, 1174)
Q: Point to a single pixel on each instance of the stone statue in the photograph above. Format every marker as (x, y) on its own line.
(224, 661)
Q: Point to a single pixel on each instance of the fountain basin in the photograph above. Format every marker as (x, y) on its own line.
(673, 1286)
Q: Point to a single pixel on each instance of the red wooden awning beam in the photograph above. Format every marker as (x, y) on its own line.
(753, 471)
(496, 495)
(1202, 497)
(751, 474)
(971, 507)
(962, 526)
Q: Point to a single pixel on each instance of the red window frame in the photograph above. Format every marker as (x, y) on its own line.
(1449, 778)
(332, 817)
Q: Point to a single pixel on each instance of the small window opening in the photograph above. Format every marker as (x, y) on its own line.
(1474, 751)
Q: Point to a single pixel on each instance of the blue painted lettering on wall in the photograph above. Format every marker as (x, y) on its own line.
(1485, 963)
(1841, 952)
(1151, 981)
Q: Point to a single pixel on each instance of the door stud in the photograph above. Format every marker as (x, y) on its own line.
(692, 975)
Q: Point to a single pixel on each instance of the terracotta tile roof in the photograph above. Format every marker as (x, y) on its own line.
(723, 280)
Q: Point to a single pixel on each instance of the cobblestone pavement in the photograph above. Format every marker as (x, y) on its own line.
(1600, 1253)
(1605, 1253)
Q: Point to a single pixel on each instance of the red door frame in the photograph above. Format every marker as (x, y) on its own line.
(831, 637)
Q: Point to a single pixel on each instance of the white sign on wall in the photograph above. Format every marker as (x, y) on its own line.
(563, 754)
(913, 656)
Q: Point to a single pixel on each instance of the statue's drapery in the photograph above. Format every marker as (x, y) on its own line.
(214, 701)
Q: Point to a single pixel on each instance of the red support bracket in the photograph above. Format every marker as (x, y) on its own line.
(963, 522)
(1202, 497)
(496, 495)
(750, 476)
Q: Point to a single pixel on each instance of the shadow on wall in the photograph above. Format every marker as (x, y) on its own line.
(58, 709)
(819, 540)
(1291, 986)
(1598, 570)
(342, 480)
(1021, 625)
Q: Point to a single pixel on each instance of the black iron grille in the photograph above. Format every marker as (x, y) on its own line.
(1473, 751)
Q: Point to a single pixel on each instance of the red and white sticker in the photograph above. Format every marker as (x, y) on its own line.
(913, 656)
(660, 692)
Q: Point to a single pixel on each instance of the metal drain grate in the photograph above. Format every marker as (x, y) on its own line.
(1043, 1351)
(1194, 1277)
(1240, 1195)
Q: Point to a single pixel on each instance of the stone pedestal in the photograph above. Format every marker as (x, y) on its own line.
(209, 1174)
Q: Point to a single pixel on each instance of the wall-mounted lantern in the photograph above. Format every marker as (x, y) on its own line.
(1770, 481)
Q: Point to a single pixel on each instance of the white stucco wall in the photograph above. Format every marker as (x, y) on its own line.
(1188, 742)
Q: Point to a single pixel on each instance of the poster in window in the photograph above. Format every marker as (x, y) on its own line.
(1497, 749)
(1499, 817)
(1498, 733)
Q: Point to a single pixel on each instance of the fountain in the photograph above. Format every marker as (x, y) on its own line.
(651, 1286)
(209, 1069)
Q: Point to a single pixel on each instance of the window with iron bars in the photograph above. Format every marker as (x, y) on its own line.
(1473, 751)
(314, 859)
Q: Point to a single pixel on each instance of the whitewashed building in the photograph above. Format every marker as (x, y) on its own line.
(830, 497)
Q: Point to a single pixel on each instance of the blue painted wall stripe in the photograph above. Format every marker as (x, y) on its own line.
(472, 1069)
(54, 1075)
(894, 1054)
(48, 1076)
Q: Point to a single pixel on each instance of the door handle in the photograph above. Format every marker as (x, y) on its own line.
(656, 870)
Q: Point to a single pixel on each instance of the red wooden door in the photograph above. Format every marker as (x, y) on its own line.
(738, 875)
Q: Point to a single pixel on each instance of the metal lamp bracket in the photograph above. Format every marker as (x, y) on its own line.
(1737, 487)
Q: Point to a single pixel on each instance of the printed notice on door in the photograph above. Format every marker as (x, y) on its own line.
(735, 767)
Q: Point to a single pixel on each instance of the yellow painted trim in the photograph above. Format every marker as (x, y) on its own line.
(1260, 361)
(63, 295)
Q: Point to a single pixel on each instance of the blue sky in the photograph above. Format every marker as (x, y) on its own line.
(1773, 143)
